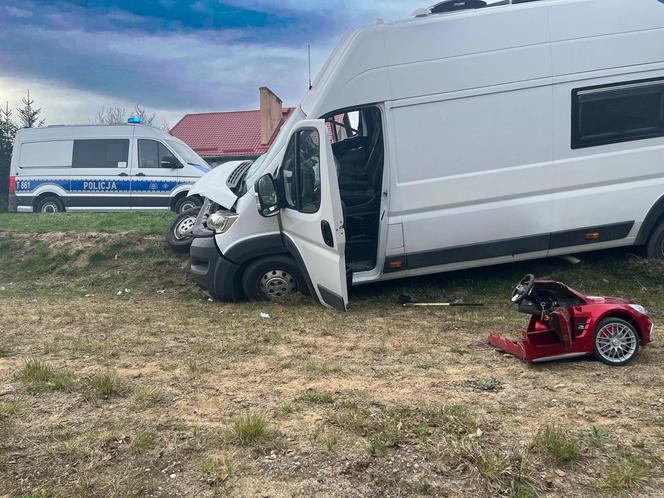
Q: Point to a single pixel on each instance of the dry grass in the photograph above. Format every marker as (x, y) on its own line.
(167, 393)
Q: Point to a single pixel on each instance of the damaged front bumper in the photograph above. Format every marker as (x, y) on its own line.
(212, 271)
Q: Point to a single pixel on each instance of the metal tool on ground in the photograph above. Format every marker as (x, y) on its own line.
(410, 301)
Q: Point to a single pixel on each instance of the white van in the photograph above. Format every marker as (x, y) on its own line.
(458, 138)
(102, 168)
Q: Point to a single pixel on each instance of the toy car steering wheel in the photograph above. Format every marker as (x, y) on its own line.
(523, 288)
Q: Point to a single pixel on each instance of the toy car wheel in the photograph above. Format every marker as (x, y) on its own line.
(616, 342)
(655, 248)
(272, 278)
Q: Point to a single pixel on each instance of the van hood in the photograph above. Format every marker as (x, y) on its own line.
(213, 185)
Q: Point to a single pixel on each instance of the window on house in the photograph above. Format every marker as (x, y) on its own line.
(617, 113)
(100, 153)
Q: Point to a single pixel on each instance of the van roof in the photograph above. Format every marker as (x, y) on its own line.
(520, 41)
(70, 132)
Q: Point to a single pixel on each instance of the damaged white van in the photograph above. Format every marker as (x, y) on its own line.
(474, 133)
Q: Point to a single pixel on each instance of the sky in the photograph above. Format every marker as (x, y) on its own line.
(172, 57)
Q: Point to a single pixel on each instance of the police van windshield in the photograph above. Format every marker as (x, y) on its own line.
(189, 156)
(258, 167)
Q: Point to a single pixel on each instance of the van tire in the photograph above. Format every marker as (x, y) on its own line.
(186, 204)
(179, 234)
(655, 247)
(272, 278)
(50, 204)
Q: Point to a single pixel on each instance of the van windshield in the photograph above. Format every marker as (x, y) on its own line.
(258, 167)
(187, 154)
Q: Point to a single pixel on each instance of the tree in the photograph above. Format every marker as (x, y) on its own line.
(29, 114)
(110, 115)
(7, 135)
(115, 115)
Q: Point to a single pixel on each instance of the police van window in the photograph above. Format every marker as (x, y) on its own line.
(153, 154)
(100, 154)
(617, 113)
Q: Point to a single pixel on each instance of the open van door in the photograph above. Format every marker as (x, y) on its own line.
(310, 210)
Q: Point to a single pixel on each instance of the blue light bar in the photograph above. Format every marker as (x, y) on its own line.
(135, 120)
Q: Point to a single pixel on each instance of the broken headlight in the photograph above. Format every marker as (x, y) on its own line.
(221, 221)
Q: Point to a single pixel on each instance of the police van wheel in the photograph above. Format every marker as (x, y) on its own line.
(50, 204)
(271, 279)
(186, 204)
(180, 232)
(655, 248)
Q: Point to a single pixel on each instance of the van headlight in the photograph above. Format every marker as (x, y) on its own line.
(639, 309)
(221, 221)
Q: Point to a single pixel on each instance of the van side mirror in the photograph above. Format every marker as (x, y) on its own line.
(170, 163)
(267, 196)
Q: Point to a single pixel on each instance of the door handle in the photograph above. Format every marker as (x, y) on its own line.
(141, 174)
(327, 233)
(123, 174)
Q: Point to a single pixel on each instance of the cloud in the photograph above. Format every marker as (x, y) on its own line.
(174, 56)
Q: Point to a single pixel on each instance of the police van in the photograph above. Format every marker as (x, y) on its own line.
(102, 168)
(473, 133)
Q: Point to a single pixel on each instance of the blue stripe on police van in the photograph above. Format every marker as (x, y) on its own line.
(106, 186)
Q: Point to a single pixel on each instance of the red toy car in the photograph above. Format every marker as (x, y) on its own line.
(565, 324)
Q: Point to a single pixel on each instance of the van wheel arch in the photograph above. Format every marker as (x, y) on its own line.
(46, 197)
(652, 221)
(179, 200)
(247, 252)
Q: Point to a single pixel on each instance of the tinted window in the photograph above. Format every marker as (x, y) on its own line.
(617, 113)
(100, 153)
(308, 168)
(300, 172)
(153, 154)
(288, 174)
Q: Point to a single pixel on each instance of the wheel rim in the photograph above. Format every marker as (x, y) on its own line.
(186, 206)
(276, 284)
(50, 207)
(185, 228)
(616, 342)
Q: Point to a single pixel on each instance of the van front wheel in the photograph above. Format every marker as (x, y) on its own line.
(50, 204)
(655, 248)
(272, 278)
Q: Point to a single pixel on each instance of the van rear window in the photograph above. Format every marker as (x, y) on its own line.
(110, 153)
(617, 113)
(51, 154)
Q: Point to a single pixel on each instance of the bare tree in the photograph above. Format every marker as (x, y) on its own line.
(28, 114)
(115, 115)
(110, 115)
(142, 113)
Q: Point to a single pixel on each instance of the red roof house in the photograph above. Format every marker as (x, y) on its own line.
(219, 137)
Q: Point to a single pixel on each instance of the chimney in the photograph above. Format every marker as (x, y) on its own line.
(271, 114)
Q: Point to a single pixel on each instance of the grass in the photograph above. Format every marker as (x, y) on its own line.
(145, 223)
(251, 429)
(629, 472)
(40, 375)
(313, 402)
(487, 384)
(559, 443)
(106, 385)
(314, 397)
(146, 398)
